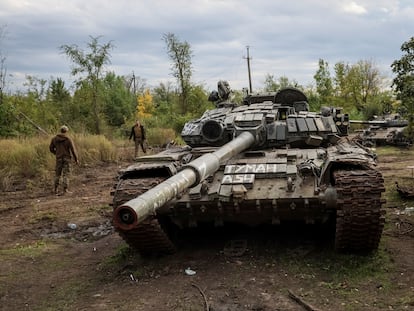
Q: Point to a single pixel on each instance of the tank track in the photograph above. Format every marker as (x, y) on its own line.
(360, 217)
(148, 237)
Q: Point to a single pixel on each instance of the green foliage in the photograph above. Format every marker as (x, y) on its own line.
(8, 120)
(157, 136)
(59, 102)
(343, 272)
(116, 107)
(355, 87)
(324, 85)
(167, 113)
(198, 101)
(315, 102)
(117, 100)
(165, 102)
(237, 96)
(175, 121)
(404, 67)
(30, 250)
(180, 54)
(272, 84)
(123, 254)
(92, 64)
(379, 105)
(404, 82)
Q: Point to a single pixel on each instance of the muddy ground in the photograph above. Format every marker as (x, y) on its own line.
(46, 265)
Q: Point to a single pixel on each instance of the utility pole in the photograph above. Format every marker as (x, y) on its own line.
(248, 69)
(133, 79)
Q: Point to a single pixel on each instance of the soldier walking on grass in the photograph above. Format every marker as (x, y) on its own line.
(63, 147)
(138, 134)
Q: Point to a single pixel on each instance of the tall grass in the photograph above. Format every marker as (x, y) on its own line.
(94, 148)
(29, 159)
(160, 136)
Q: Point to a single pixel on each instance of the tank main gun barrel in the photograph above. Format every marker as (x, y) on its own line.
(382, 123)
(374, 122)
(129, 214)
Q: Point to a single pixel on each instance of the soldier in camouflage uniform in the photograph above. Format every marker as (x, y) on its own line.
(138, 134)
(63, 147)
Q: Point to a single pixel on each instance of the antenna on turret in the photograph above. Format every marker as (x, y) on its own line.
(248, 69)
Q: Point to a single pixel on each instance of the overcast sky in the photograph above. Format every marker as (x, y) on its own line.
(286, 38)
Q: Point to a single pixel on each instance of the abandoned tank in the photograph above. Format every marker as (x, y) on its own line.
(267, 161)
(385, 130)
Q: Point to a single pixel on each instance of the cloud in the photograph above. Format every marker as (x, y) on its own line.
(285, 38)
(354, 8)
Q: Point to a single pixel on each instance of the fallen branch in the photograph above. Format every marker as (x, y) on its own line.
(300, 301)
(34, 124)
(206, 306)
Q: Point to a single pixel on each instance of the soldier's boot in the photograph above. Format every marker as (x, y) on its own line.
(66, 191)
(55, 190)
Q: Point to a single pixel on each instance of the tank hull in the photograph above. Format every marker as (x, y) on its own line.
(312, 186)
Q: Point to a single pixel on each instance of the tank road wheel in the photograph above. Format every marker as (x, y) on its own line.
(360, 217)
(148, 237)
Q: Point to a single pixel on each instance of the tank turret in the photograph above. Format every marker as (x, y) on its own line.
(277, 120)
(265, 161)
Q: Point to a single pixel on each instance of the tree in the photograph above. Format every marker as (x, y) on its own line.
(324, 85)
(36, 106)
(364, 81)
(356, 87)
(58, 92)
(404, 81)
(198, 101)
(36, 87)
(136, 85)
(3, 69)
(92, 64)
(273, 85)
(164, 98)
(270, 84)
(145, 105)
(60, 100)
(340, 83)
(118, 101)
(180, 53)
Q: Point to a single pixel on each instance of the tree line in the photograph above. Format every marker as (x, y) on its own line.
(102, 102)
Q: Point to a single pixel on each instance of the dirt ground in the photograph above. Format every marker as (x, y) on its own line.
(46, 265)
